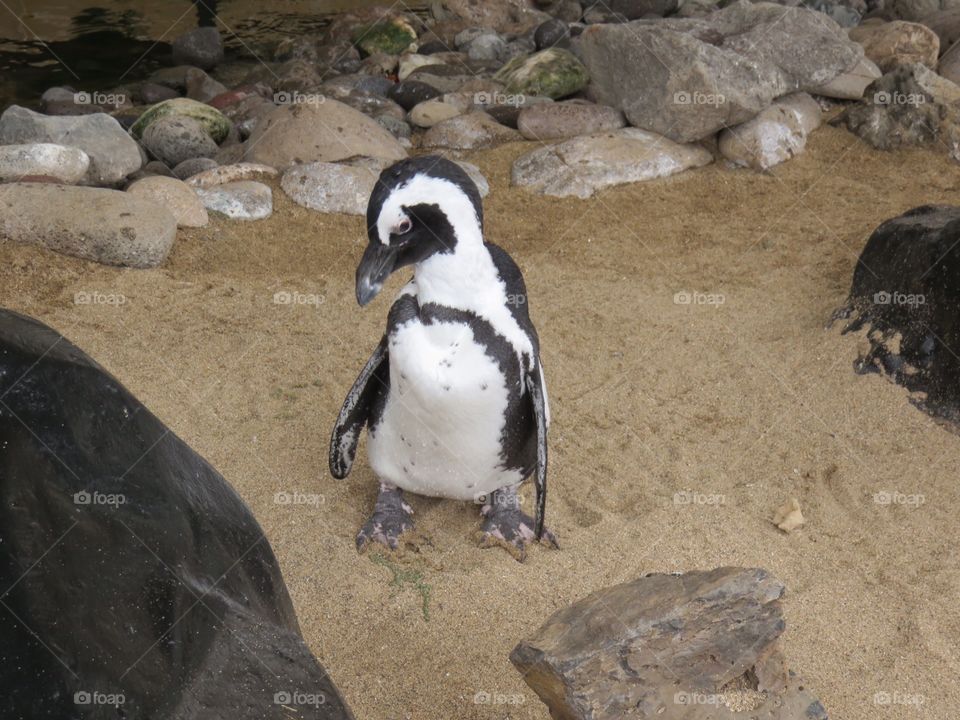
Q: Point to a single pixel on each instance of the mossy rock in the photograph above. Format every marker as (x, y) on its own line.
(553, 73)
(212, 120)
(391, 36)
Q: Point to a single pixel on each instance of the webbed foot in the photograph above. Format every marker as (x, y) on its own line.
(506, 526)
(391, 518)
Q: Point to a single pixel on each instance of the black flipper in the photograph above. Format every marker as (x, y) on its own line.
(371, 384)
(535, 389)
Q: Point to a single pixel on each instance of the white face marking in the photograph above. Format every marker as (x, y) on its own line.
(423, 189)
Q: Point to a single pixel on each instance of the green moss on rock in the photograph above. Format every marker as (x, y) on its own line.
(387, 36)
(212, 120)
(554, 73)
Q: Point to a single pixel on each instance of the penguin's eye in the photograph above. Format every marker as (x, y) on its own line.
(403, 227)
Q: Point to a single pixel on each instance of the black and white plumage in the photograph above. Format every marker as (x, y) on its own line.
(453, 396)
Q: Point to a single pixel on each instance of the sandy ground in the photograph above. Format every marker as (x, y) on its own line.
(745, 404)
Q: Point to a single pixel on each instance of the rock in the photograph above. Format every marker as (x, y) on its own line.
(911, 105)
(154, 542)
(788, 516)
(154, 167)
(551, 33)
(175, 195)
(487, 46)
(379, 65)
(202, 87)
(897, 43)
(344, 85)
(687, 78)
(373, 105)
(850, 85)
(330, 188)
(667, 647)
(506, 109)
(551, 121)
(445, 78)
(409, 93)
(214, 122)
(946, 24)
(581, 166)
(775, 135)
(151, 93)
(201, 47)
(324, 132)
(949, 65)
(239, 200)
(189, 168)
(411, 61)
(106, 226)
(468, 132)
(67, 164)
(230, 173)
(555, 73)
(429, 113)
(391, 36)
(398, 128)
(478, 179)
(904, 293)
(113, 154)
(636, 9)
(174, 138)
(915, 10)
(514, 16)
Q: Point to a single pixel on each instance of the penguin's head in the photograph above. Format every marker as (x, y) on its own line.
(419, 207)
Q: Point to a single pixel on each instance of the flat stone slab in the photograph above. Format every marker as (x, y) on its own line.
(702, 645)
(581, 166)
(242, 200)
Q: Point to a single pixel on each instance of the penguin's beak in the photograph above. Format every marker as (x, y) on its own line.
(375, 266)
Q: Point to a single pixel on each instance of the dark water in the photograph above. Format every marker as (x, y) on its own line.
(96, 45)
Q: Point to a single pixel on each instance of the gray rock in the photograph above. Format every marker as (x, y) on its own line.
(777, 134)
(201, 86)
(552, 121)
(946, 24)
(201, 47)
(398, 128)
(468, 132)
(151, 93)
(851, 84)
(949, 65)
(487, 46)
(240, 200)
(175, 138)
(154, 167)
(445, 78)
(67, 164)
(478, 179)
(553, 73)
(189, 168)
(890, 44)
(429, 113)
(106, 226)
(581, 166)
(668, 647)
(409, 93)
(175, 195)
(552, 33)
(318, 132)
(230, 173)
(636, 9)
(911, 105)
(113, 153)
(687, 78)
(329, 187)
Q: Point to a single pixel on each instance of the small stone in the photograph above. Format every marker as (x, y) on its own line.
(851, 84)
(580, 166)
(555, 73)
(230, 173)
(445, 78)
(175, 195)
(429, 113)
(214, 122)
(201, 47)
(488, 46)
(398, 128)
(409, 93)
(551, 33)
(552, 121)
(243, 200)
(411, 61)
(67, 164)
(788, 516)
(468, 132)
(329, 187)
(777, 134)
(202, 87)
(891, 44)
(106, 226)
(189, 168)
(151, 93)
(176, 138)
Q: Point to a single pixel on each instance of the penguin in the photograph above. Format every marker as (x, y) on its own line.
(453, 397)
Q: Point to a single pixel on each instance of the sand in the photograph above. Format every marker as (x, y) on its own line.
(743, 404)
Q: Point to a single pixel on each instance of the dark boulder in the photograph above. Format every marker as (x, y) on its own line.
(134, 582)
(906, 291)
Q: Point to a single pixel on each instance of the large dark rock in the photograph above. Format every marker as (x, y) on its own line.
(669, 647)
(906, 291)
(134, 582)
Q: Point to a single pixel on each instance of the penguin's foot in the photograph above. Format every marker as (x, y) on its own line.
(506, 526)
(391, 518)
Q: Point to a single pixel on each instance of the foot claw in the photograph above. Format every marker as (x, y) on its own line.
(504, 525)
(391, 518)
